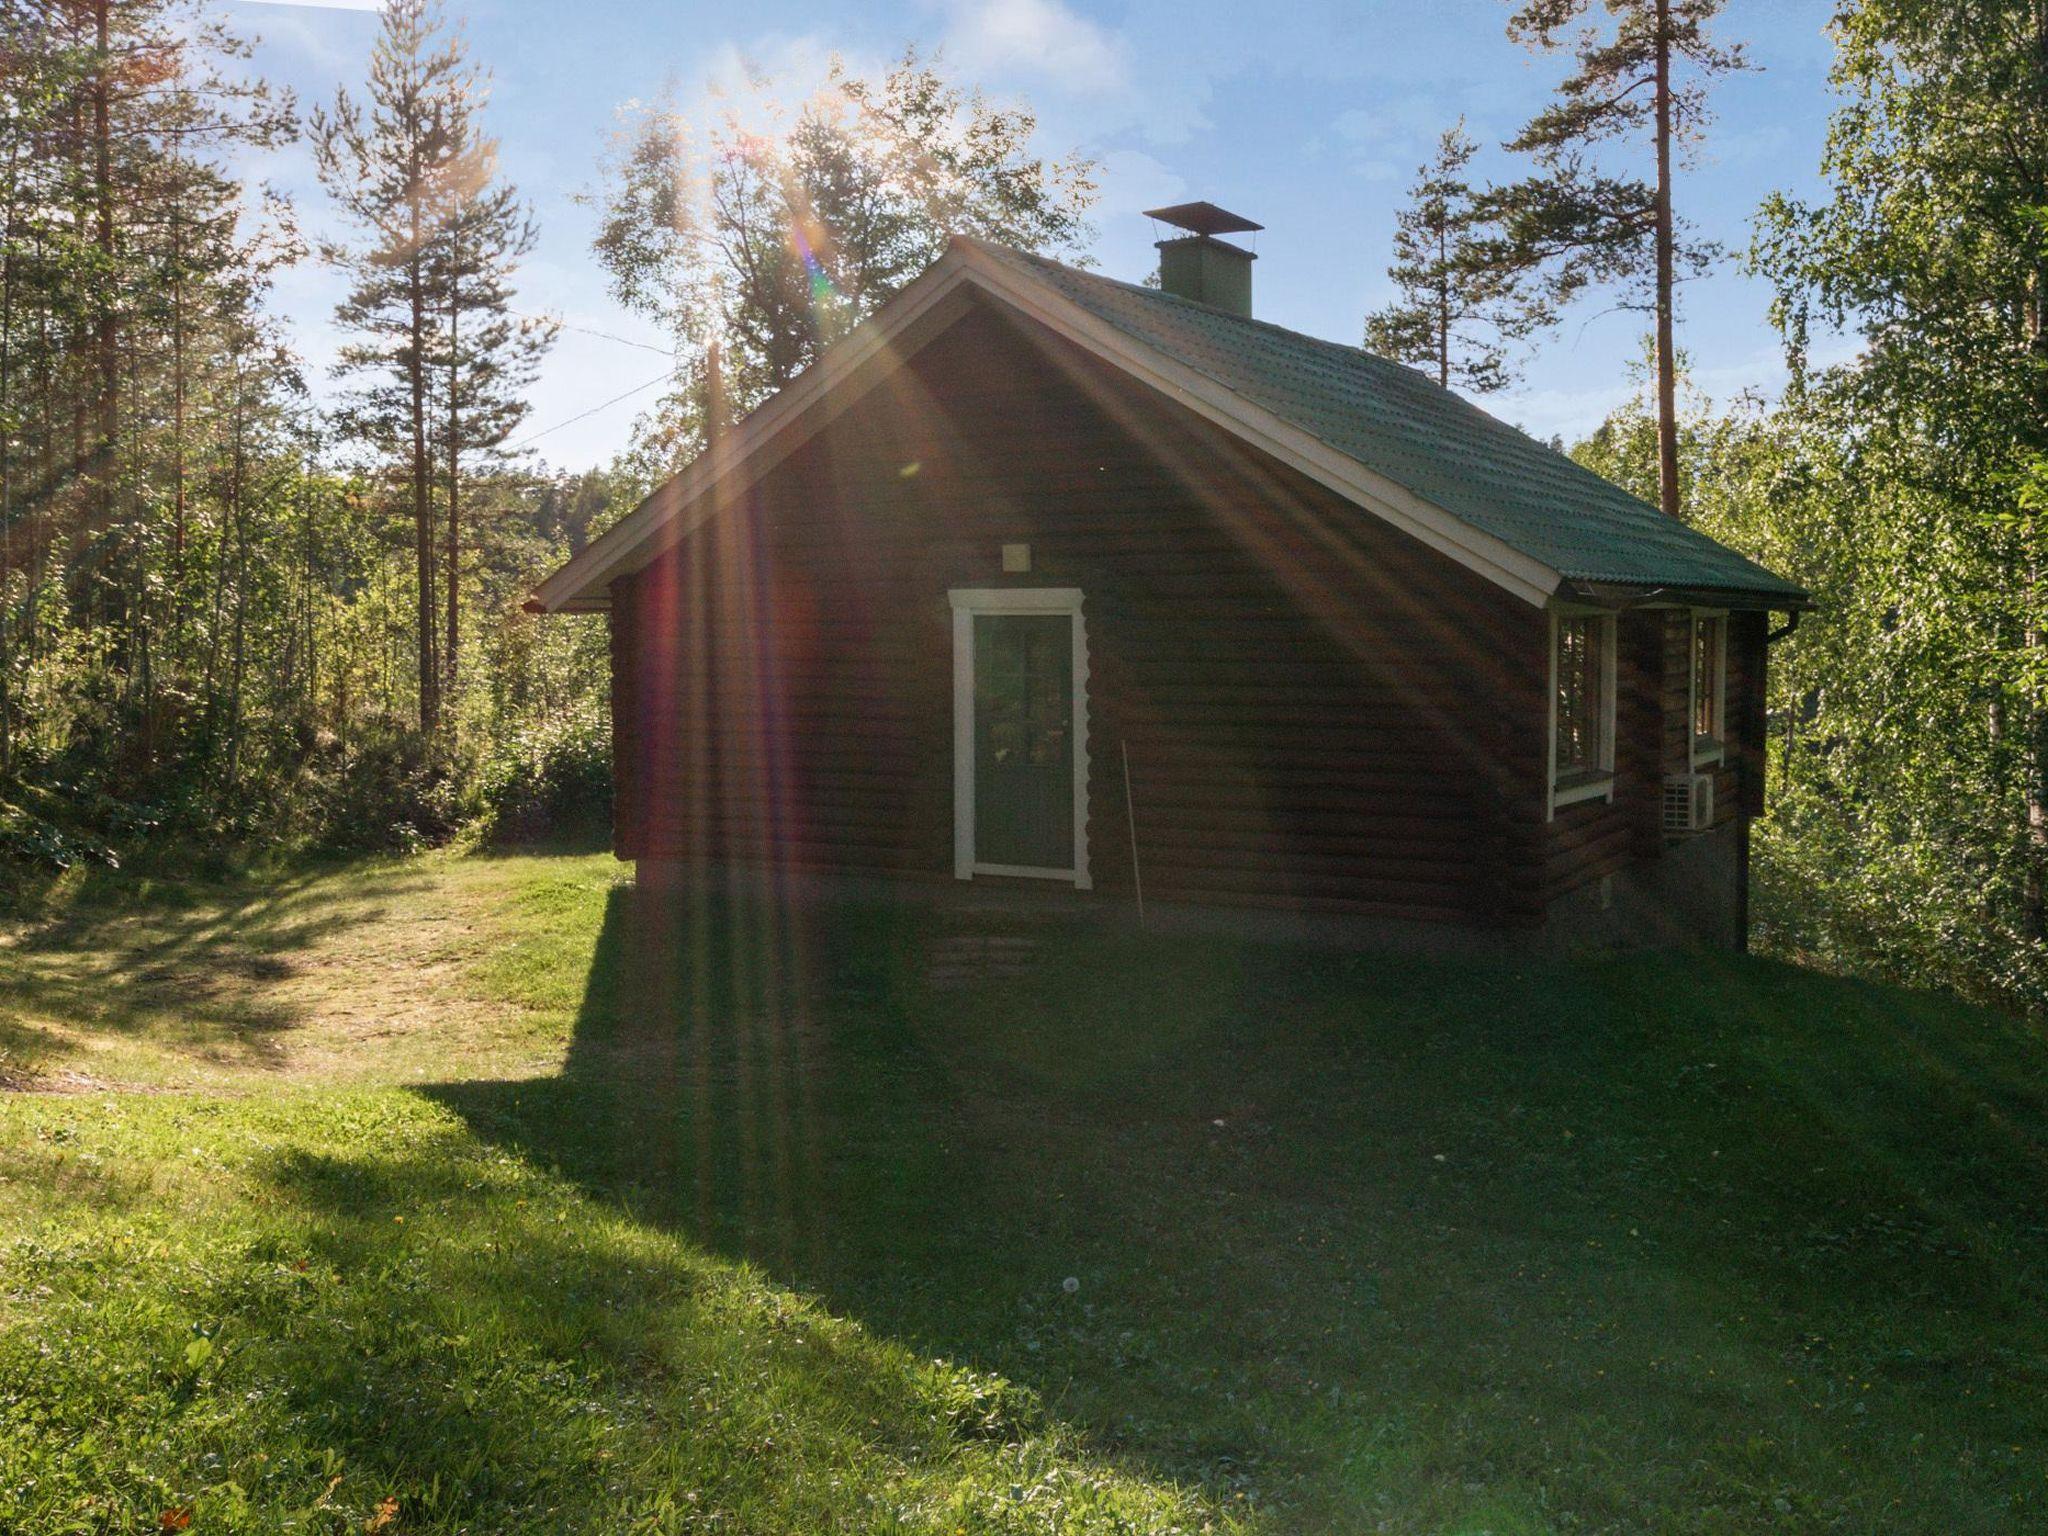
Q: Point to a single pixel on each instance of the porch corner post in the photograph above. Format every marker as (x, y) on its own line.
(963, 742)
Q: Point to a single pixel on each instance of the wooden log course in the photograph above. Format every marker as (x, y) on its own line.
(1319, 711)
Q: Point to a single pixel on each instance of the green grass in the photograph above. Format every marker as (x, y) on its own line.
(469, 1183)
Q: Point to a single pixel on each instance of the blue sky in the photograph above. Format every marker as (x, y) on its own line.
(1309, 118)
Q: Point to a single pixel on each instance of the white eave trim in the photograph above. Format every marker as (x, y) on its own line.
(779, 426)
(749, 451)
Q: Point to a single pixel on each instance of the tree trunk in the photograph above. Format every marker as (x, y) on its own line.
(1443, 309)
(2034, 885)
(1667, 359)
(422, 470)
(310, 689)
(46, 465)
(452, 639)
(7, 474)
(237, 491)
(107, 328)
(177, 422)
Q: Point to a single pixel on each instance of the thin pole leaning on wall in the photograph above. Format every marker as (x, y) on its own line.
(1131, 821)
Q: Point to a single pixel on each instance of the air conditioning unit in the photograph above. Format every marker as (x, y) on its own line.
(1688, 803)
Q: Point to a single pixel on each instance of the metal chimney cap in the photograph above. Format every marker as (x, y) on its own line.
(1203, 219)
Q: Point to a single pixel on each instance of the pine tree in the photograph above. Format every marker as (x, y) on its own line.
(1645, 75)
(396, 165)
(1461, 306)
(485, 355)
(119, 220)
(33, 81)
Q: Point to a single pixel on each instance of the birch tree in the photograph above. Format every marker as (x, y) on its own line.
(768, 233)
(1931, 248)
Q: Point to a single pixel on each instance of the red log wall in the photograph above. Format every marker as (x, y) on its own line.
(1321, 713)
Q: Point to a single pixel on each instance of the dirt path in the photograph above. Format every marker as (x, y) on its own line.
(370, 973)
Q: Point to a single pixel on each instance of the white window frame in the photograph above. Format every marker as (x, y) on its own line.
(1600, 787)
(1716, 749)
(967, 604)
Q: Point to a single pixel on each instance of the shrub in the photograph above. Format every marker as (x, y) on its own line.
(385, 788)
(44, 843)
(550, 777)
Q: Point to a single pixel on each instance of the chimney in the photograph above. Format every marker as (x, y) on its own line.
(1201, 267)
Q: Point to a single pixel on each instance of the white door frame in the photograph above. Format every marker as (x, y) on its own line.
(967, 602)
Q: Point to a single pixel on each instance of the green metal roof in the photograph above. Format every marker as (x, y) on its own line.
(1394, 420)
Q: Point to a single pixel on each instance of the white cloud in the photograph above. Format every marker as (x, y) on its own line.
(1398, 121)
(1389, 138)
(1038, 37)
(1767, 144)
(1131, 179)
(758, 84)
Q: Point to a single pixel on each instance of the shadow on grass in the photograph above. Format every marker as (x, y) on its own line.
(192, 964)
(1355, 1236)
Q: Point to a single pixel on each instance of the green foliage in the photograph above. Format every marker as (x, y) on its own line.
(195, 616)
(552, 777)
(441, 360)
(141, 393)
(1908, 836)
(223, 622)
(1643, 75)
(1894, 840)
(42, 840)
(387, 788)
(757, 235)
(1605, 96)
(216, 608)
(1912, 834)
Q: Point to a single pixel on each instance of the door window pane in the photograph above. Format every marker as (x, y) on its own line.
(1023, 752)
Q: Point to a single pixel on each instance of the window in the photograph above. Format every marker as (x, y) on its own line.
(1709, 686)
(1581, 707)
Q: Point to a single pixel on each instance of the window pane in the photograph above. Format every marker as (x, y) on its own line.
(1706, 679)
(1580, 706)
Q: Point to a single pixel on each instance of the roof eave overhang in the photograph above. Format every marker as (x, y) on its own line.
(1615, 594)
(921, 311)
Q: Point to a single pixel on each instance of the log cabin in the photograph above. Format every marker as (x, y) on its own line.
(1116, 594)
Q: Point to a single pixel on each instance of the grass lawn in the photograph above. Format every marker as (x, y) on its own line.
(464, 1195)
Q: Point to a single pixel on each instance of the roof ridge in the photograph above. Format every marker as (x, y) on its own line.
(1542, 510)
(1400, 422)
(1149, 292)
(1377, 359)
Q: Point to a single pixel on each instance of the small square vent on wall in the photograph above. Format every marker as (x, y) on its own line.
(1016, 559)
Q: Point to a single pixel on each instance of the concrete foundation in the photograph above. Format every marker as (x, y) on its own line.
(1690, 898)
